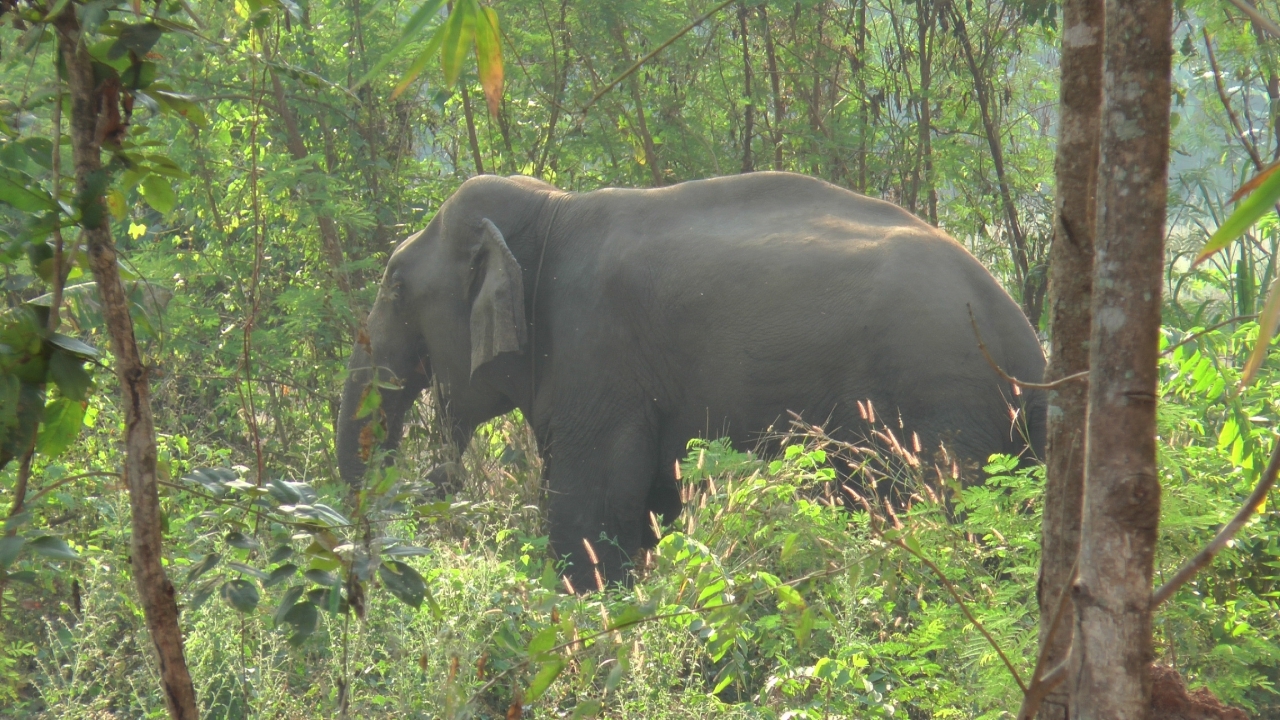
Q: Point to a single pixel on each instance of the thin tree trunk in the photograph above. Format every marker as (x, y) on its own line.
(864, 110)
(775, 81)
(1070, 290)
(924, 24)
(154, 589)
(748, 123)
(1032, 293)
(642, 126)
(471, 128)
(329, 239)
(1110, 675)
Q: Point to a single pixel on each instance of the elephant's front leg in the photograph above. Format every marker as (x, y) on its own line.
(599, 484)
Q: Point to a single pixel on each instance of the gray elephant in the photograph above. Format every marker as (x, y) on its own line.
(623, 323)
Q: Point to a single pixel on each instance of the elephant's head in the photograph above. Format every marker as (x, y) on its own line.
(450, 315)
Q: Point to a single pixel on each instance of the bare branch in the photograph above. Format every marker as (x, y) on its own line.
(1011, 379)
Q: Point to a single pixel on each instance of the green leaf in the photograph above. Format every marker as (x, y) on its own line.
(280, 553)
(489, 58)
(280, 574)
(403, 582)
(371, 401)
(1267, 321)
(138, 38)
(158, 193)
(62, 420)
(1259, 203)
(290, 597)
(53, 547)
(547, 674)
(459, 33)
(322, 577)
(247, 570)
(67, 371)
(587, 709)
(25, 198)
(10, 546)
(202, 593)
(237, 539)
(241, 594)
(419, 18)
(304, 617)
(544, 640)
(74, 346)
(205, 565)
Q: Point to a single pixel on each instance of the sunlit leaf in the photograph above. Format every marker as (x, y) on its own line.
(1259, 203)
(489, 57)
(25, 198)
(247, 570)
(420, 62)
(1267, 321)
(61, 426)
(290, 597)
(547, 674)
(459, 33)
(159, 194)
(425, 12)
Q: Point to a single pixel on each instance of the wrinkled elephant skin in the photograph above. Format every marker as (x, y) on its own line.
(623, 323)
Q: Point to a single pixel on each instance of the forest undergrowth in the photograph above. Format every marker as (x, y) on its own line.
(769, 597)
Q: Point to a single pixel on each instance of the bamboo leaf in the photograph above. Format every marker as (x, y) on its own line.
(459, 33)
(1245, 215)
(424, 13)
(489, 57)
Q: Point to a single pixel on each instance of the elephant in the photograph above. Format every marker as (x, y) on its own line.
(625, 322)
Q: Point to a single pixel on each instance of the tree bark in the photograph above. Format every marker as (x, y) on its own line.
(1070, 291)
(154, 589)
(471, 128)
(748, 123)
(1112, 649)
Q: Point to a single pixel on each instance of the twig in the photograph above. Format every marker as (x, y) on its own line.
(875, 522)
(1224, 536)
(1042, 685)
(1011, 379)
(1261, 20)
(1196, 336)
(45, 491)
(639, 63)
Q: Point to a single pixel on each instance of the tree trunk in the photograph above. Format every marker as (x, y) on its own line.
(329, 239)
(1112, 652)
(748, 124)
(1032, 291)
(154, 589)
(642, 126)
(924, 26)
(775, 81)
(471, 128)
(1070, 289)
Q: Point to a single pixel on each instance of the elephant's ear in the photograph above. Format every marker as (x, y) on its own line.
(497, 312)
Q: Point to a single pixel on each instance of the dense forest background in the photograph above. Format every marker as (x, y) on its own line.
(266, 184)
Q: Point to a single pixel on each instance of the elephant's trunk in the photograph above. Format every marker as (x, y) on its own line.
(355, 445)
